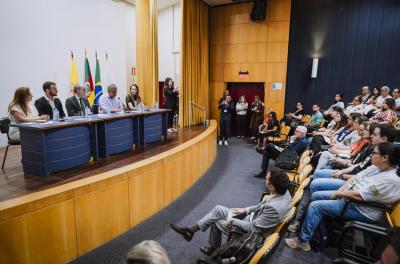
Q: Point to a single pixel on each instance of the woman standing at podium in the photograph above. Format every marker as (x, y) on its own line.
(20, 111)
(171, 96)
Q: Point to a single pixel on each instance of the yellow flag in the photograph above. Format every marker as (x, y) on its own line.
(73, 78)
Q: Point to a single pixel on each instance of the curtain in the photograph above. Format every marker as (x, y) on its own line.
(147, 50)
(194, 81)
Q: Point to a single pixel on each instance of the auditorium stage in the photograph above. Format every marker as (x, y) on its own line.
(59, 218)
(14, 183)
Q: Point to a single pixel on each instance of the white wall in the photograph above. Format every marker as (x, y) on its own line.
(169, 35)
(37, 37)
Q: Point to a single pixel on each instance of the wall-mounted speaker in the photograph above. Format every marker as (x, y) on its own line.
(259, 10)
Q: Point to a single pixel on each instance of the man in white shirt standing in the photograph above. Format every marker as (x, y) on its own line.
(110, 103)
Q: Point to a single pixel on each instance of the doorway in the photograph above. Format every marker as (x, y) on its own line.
(249, 90)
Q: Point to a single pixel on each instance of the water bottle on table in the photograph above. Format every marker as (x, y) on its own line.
(56, 115)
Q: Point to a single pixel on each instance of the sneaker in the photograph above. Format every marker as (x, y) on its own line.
(169, 130)
(294, 227)
(226, 143)
(295, 243)
(220, 142)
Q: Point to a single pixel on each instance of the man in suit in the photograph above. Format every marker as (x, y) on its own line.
(260, 218)
(77, 103)
(46, 104)
(297, 142)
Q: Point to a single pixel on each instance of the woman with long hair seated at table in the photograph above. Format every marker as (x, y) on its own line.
(133, 100)
(20, 111)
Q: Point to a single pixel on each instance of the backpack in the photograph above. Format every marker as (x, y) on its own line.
(321, 238)
(238, 250)
(287, 159)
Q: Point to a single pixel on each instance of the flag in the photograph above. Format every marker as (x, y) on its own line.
(89, 81)
(98, 90)
(73, 77)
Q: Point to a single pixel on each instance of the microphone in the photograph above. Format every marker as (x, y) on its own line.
(125, 108)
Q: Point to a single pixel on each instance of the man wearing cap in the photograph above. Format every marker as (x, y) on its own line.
(297, 142)
(109, 102)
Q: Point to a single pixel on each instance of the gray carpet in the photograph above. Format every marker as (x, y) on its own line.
(228, 182)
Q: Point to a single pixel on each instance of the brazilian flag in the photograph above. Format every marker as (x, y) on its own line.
(98, 90)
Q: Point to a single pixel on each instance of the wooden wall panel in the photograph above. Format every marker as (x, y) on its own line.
(258, 47)
(277, 52)
(278, 31)
(173, 177)
(146, 192)
(217, 72)
(218, 36)
(246, 33)
(244, 53)
(217, 54)
(279, 10)
(276, 72)
(42, 236)
(101, 215)
(256, 72)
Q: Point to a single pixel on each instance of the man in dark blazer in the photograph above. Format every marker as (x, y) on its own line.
(77, 103)
(46, 104)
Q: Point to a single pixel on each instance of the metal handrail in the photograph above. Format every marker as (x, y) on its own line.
(191, 103)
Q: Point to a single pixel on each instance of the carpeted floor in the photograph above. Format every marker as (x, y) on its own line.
(228, 182)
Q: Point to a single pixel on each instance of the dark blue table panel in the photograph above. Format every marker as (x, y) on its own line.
(54, 150)
(152, 128)
(115, 136)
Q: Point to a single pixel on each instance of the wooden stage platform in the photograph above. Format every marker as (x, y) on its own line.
(14, 183)
(61, 217)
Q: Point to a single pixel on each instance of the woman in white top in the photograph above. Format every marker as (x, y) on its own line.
(241, 117)
(20, 112)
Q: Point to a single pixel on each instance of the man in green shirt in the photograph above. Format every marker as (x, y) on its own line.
(315, 120)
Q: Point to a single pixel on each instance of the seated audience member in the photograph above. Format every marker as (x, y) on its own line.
(379, 133)
(241, 117)
(110, 103)
(297, 143)
(316, 119)
(388, 114)
(48, 104)
(396, 97)
(227, 107)
(343, 140)
(296, 116)
(370, 106)
(77, 104)
(268, 128)
(147, 252)
(385, 94)
(335, 111)
(391, 253)
(257, 116)
(132, 99)
(323, 138)
(261, 218)
(381, 187)
(343, 156)
(355, 107)
(338, 103)
(20, 111)
(365, 94)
